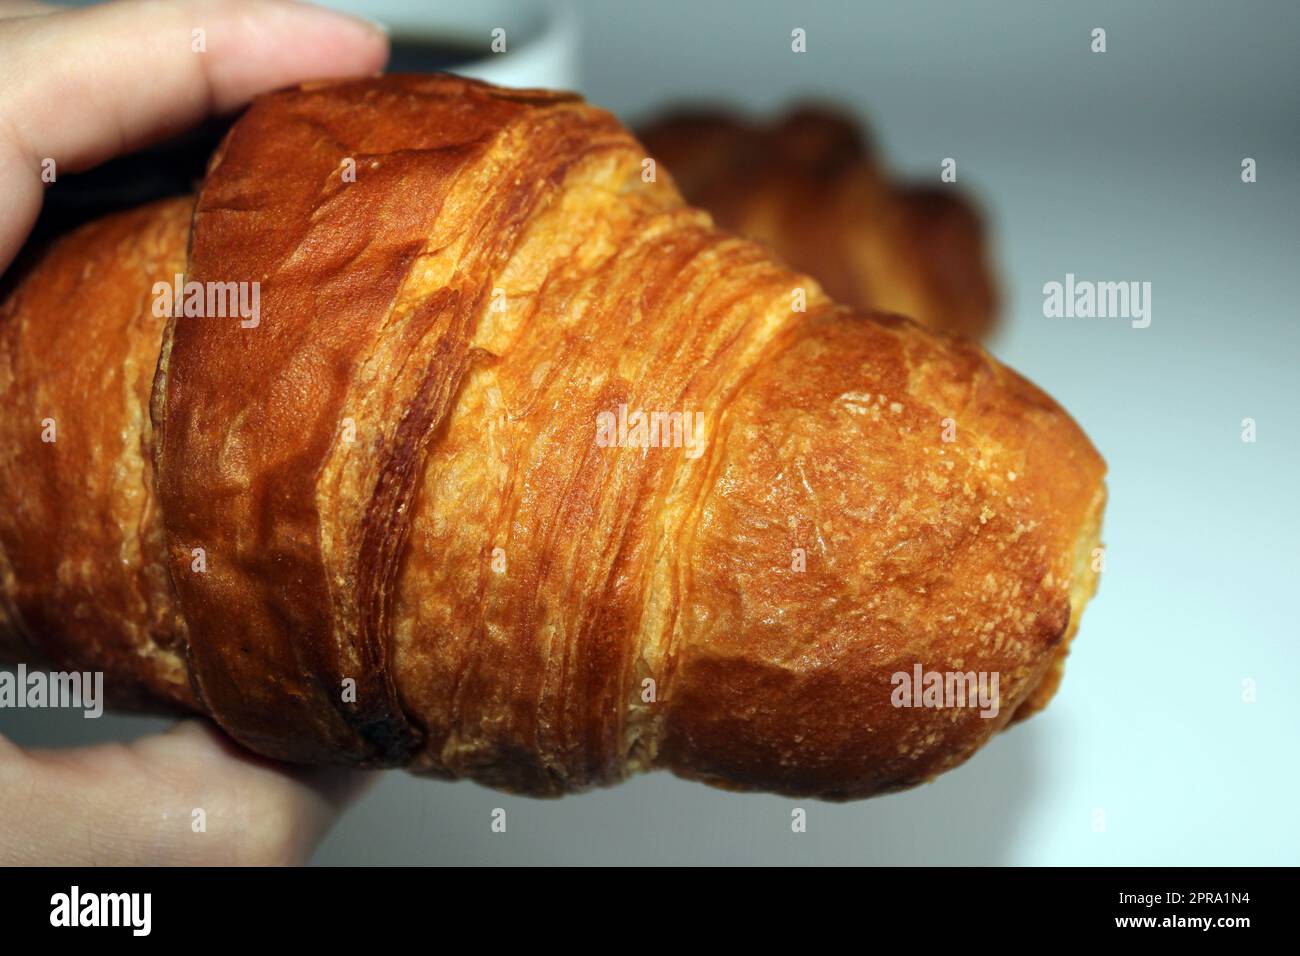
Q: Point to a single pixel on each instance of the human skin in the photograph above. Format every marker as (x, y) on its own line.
(81, 86)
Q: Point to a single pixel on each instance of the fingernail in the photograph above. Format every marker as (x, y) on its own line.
(377, 25)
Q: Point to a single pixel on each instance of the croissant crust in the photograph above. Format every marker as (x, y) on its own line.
(378, 527)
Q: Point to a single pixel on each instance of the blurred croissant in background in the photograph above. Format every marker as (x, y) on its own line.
(809, 185)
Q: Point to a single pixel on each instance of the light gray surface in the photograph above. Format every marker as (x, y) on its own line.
(1115, 166)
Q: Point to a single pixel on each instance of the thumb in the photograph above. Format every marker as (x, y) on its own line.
(187, 796)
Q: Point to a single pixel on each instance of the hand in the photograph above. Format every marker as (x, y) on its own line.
(78, 87)
(137, 803)
(81, 86)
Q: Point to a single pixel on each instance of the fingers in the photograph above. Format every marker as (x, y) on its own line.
(23, 8)
(184, 797)
(82, 85)
(86, 84)
(76, 87)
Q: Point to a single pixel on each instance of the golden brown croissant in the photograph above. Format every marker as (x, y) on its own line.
(809, 185)
(406, 514)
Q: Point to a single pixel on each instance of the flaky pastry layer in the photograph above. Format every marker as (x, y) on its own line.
(417, 550)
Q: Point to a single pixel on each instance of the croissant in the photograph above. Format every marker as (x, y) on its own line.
(521, 470)
(809, 185)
